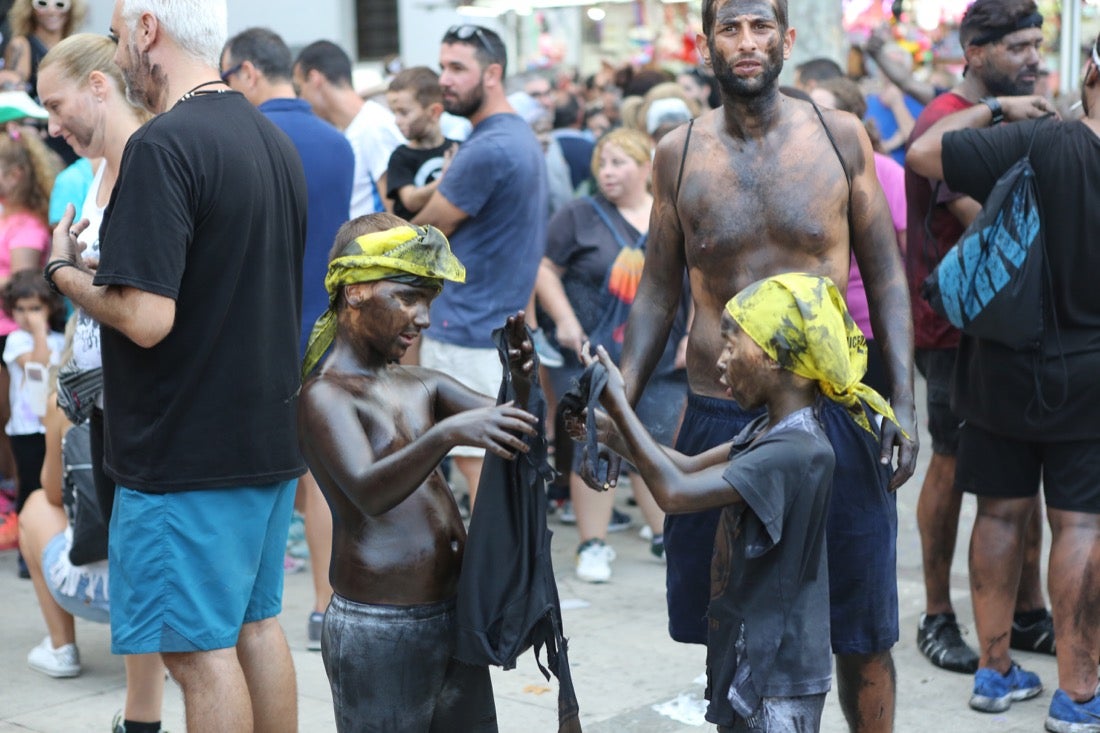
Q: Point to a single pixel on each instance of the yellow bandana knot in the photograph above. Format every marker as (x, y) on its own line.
(417, 251)
(801, 321)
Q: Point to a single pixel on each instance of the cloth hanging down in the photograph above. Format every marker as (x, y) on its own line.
(507, 597)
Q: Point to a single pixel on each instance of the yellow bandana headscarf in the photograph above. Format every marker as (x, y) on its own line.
(406, 250)
(801, 321)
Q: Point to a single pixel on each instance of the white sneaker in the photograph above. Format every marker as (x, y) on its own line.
(62, 662)
(594, 561)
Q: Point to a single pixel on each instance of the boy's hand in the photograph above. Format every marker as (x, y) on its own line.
(616, 387)
(576, 426)
(496, 429)
(521, 359)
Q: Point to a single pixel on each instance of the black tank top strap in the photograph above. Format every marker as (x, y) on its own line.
(683, 158)
(843, 165)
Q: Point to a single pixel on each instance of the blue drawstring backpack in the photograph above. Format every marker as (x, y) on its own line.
(990, 284)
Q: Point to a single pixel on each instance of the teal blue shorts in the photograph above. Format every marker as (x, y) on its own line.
(189, 568)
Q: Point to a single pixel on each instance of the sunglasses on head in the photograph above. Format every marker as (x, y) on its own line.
(59, 5)
(465, 33)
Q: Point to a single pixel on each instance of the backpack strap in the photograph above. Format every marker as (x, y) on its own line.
(611, 225)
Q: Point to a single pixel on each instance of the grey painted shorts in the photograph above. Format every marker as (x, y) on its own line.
(391, 669)
(782, 715)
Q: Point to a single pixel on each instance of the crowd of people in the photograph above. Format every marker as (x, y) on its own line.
(282, 296)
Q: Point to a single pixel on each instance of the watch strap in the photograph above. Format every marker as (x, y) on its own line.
(995, 109)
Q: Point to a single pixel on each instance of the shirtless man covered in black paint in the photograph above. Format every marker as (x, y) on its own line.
(759, 186)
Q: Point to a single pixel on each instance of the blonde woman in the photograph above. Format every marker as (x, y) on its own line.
(586, 283)
(85, 95)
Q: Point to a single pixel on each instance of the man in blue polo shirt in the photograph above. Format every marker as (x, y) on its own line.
(258, 64)
(493, 204)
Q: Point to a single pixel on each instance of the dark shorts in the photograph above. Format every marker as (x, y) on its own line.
(937, 366)
(861, 533)
(800, 714)
(391, 668)
(1006, 468)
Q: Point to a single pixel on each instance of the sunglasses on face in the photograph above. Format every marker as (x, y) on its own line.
(61, 6)
(230, 72)
(462, 33)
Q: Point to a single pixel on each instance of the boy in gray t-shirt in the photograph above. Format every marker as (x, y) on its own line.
(789, 341)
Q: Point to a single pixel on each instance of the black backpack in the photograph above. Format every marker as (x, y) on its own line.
(990, 284)
(78, 496)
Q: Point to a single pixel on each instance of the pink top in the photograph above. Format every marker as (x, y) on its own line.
(891, 177)
(19, 230)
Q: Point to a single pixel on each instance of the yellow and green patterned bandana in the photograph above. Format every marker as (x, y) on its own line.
(398, 253)
(801, 321)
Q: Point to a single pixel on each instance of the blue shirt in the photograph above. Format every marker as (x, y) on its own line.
(498, 179)
(329, 164)
(887, 125)
(70, 187)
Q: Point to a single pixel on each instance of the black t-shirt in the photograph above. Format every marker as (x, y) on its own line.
(413, 167)
(209, 210)
(580, 242)
(769, 609)
(998, 388)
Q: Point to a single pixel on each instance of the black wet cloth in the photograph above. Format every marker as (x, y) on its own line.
(586, 395)
(507, 597)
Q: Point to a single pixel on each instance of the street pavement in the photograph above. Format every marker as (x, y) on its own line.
(629, 676)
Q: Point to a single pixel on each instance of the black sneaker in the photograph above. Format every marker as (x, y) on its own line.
(939, 639)
(1036, 637)
(619, 521)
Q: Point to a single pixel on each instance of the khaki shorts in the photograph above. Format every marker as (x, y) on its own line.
(478, 369)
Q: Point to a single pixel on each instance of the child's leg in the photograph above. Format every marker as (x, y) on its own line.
(40, 522)
(30, 452)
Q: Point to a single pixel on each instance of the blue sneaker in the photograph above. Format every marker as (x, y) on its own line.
(994, 692)
(1067, 716)
(550, 357)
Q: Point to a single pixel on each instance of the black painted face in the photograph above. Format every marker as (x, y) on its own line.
(742, 366)
(746, 47)
(1011, 65)
(393, 315)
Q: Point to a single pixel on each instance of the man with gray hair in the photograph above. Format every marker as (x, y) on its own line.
(199, 287)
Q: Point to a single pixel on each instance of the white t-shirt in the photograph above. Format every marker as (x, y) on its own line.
(86, 352)
(23, 420)
(373, 135)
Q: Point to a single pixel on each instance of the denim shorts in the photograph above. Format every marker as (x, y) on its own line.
(189, 568)
(861, 534)
(391, 668)
(82, 590)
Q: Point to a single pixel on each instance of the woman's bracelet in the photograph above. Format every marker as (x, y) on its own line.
(51, 269)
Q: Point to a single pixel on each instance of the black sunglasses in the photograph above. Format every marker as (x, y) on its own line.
(230, 72)
(466, 32)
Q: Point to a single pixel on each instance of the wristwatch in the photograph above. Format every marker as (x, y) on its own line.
(995, 108)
